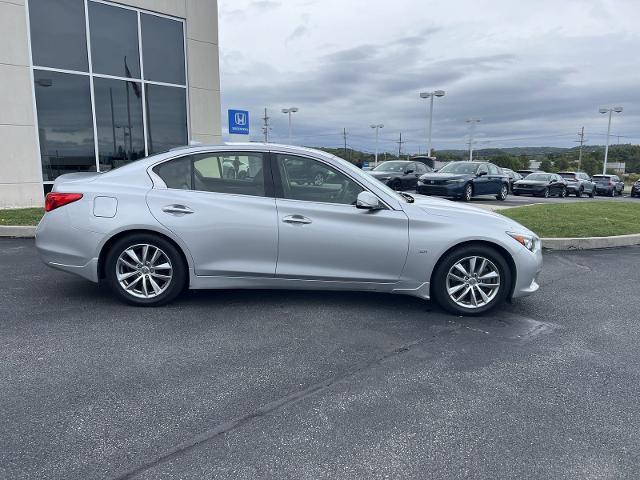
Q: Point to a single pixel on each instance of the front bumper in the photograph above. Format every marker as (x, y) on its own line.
(528, 268)
(635, 190)
(528, 190)
(445, 190)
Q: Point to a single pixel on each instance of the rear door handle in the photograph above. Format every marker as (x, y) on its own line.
(177, 209)
(296, 219)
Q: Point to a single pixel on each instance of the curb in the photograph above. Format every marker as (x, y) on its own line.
(590, 243)
(17, 231)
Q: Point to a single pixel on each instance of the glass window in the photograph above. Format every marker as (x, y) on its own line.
(163, 49)
(313, 181)
(58, 36)
(119, 121)
(237, 173)
(176, 173)
(483, 168)
(493, 170)
(114, 40)
(65, 123)
(166, 117)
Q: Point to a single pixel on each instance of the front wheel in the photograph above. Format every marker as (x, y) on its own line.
(592, 194)
(396, 185)
(504, 191)
(471, 280)
(145, 270)
(468, 193)
(563, 193)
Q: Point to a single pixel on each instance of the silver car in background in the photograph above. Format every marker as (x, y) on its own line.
(238, 216)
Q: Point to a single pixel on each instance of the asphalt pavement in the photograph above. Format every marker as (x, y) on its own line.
(305, 385)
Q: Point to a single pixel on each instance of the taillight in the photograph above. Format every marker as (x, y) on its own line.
(58, 199)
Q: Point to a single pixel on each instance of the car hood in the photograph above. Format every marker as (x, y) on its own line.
(466, 214)
(444, 176)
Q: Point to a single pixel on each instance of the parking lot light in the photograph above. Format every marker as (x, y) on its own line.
(377, 126)
(430, 95)
(289, 111)
(610, 111)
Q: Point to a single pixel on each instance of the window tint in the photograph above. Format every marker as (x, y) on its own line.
(176, 173)
(483, 168)
(411, 166)
(162, 49)
(421, 168)
(114, 40)
(65, 123)
(58, 36)
(493, 170)
(166, 117)
(239, 173)
(119, 121)
(313, 181)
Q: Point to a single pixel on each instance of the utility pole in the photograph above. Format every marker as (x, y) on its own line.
(344, 134)
(472, 128)
(400, 142)
(581, 134)
(266, 127)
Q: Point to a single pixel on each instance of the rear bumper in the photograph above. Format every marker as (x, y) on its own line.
(604, 190)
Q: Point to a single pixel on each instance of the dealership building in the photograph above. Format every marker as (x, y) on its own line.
(90, 85)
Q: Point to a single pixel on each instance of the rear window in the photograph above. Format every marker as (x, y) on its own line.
(601, 179)
(568, 176)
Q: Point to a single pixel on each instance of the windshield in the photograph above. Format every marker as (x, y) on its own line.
(391, 167)
(539, 177)
(459, 167)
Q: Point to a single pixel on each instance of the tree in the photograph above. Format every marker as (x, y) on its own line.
(546, 165)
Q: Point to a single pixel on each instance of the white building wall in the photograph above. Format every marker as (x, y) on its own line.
(20, 168)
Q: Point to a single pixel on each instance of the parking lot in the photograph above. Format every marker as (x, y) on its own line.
(246, 384)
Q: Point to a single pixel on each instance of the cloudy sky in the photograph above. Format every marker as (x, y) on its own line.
(534, 71)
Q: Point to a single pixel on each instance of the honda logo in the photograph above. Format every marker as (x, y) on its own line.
(241, 119)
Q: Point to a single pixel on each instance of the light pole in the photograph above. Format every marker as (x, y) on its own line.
(610, 111)
(377, 127)
(472, 128)
(430, 95)
(289, 111)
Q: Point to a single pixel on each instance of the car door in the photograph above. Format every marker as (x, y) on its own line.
(482, 183)
(421, 169)
(323, 236)
(495, 179)
(221, 205)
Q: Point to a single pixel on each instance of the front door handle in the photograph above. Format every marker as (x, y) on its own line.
(296, 219)
(177, 209)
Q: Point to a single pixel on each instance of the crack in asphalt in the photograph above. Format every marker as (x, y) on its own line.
(278, 404)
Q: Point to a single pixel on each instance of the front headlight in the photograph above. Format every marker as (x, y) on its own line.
(530, 242)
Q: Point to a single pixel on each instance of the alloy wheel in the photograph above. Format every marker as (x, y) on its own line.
(473, 282)
(144, 270)
(468, 193)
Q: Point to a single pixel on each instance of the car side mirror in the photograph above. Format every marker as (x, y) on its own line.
(368, 201)
(480, 174)
(407, 172)
(435, 170)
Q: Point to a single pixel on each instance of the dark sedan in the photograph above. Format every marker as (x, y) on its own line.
(635, 189)
(541, 185)
(610, 185)
(513, 177)
(465, 180)
(400, 174)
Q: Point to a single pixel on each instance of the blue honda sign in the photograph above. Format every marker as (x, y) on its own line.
(239, 122)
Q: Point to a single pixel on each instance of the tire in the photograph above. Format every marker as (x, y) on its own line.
(613, 193)
(135, 288)
(442, 282)
(579, 193)
(504, 191)
(396, 185)
(563, 193)
(546, 193)
(592, 194)
(468, 192)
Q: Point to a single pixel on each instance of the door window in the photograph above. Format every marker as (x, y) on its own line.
(223, 172)
(421, 168)
(493, 170)
(482, 168)
(309, 180)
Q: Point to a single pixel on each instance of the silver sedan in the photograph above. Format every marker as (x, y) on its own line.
(251, 216)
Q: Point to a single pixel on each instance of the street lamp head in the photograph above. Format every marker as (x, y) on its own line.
(379, 125)
(439, 93)
(617, 109)
(604, 110)
(285, 110)
(293, 109)
(425, 94)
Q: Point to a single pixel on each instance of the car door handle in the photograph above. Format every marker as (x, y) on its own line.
(296, 219)
(177, 209)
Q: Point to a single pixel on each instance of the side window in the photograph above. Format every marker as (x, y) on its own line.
(493, 170)
(229, 172)
(312, 181)
(412, 167)
(421, 168)
(482, 168)
(176, 173)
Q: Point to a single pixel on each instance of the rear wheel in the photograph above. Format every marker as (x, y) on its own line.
(468, 193)
(592, 194)
(145, 270)
(563, 193)
(504, 191)
(471, 280)
(579, 193)
(613, 192)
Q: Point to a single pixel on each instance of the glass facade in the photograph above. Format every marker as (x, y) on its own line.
(99, 70)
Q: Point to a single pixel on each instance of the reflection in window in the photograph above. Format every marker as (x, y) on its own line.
(63, 103)
(166, 117)
(163, 49)
(176, 173)
(238, 173)
(114, 40)
(119, 121)
(58, 37)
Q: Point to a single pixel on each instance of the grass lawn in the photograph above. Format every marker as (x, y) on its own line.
(584, 219)
(21, 216)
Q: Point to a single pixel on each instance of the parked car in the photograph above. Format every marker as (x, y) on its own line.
(524, 173)
(154, 227)
(635, 189)
(513, 177)
(610, 185)
(579, 183)
(400, 174)
(465, 180)
(541, 185)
